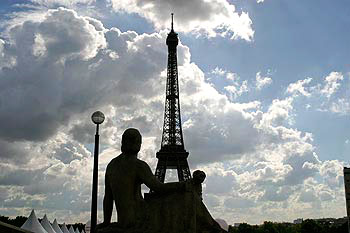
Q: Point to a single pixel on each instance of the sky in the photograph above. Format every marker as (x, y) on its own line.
(264, 93)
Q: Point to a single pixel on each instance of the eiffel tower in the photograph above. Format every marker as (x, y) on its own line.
(172, 154)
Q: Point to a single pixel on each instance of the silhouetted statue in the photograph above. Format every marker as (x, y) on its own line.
(173, 207)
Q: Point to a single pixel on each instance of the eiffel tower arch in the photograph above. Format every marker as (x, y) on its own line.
(172, 154)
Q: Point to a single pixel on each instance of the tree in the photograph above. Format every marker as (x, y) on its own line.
(245, 228)
(18, 221)
(4, 219)
(310, 226)
(269, 227)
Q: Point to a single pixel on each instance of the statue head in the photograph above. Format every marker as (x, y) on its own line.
(131, 141)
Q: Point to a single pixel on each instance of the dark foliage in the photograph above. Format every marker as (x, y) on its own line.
(308, 226)
(18, 221)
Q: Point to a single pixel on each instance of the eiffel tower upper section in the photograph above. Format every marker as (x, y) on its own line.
(172, 154)
(172, 138)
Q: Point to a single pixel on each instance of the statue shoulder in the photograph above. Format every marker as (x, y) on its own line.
(141, 164)
(112, 163)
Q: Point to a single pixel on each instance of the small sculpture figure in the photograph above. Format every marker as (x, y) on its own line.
(123, 179)
(198, 178)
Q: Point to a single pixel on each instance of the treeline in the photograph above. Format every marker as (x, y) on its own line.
(20, 220)
(307, 226)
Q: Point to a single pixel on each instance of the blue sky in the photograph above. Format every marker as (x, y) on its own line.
(264, 96)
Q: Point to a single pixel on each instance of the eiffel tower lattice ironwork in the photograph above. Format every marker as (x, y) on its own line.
(172, 154)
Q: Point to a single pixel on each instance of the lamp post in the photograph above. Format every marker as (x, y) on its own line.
(97, 118)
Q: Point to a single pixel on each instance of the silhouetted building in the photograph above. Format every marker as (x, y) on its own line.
(331, 221)
(172, 154)
(347, 193)
(298, 221)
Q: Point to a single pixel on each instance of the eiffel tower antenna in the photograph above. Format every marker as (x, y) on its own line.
(172, 21)
(172, 154)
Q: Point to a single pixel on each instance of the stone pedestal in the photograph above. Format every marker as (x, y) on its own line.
(172, 213)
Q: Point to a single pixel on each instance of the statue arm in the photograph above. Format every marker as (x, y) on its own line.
(154, 184)
(107, 202)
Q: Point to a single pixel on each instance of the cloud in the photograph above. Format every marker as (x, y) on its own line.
(67, 3)
(307, 196)
(238, 203)
(15, 152)
(298, 88)
(210, 18)
(210, 123)
(218, 71)
(39, 90)
(332, 171)
(279, 112)
(236, 89)
(6, 60)
(262, 81)
(341, 106)
(67, 75)
(331, 83)
(219, 183)
(329, 96)
(213, 17)
(277, 194)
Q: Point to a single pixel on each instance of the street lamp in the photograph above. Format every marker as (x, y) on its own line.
(97, 118)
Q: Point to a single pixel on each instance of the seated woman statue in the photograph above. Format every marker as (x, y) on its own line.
(163, 213)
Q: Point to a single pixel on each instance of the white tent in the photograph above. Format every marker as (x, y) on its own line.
(64, 228)
(47, 225)
(88, 226)
(71, 229)
(32, 224)
(56, 227)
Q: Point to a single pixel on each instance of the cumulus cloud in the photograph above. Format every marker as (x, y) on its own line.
(279, 112)
(51, 88)
(40, 89)
(219, 71)
(341, 106)
(332, 171)
(238, 203)
(210, 113)
(331, 83)
(328, 96)
(6, 60)
(67, 3)
(262, 81)
(214, 17)
(235, 87)
(298, 88)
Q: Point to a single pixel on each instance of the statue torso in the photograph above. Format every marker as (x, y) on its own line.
(124, 179)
